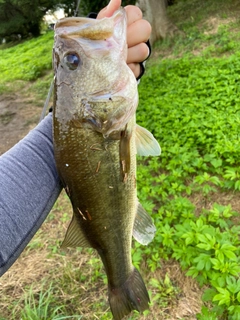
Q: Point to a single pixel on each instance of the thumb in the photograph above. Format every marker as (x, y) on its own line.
(109, 9)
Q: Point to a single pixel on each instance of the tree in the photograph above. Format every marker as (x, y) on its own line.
(87, 6)
(155, 11)
(23, 16)
(69, 6)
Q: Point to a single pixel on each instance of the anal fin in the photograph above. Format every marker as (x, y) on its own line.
(143, 229)
(74, 236)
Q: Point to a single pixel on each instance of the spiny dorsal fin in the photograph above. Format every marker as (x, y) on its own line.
(146, 144)
(143, 229)
(74, 236)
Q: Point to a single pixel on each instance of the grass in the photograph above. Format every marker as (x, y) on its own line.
(189, 99)
(27, 68)
(31, 60)
(210, 27)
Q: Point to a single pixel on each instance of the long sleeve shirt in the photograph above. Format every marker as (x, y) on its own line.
(29, 187)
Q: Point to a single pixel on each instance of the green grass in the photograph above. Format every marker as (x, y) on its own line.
(197, 20)
(28, 61)
(189, 99)
(40, 306)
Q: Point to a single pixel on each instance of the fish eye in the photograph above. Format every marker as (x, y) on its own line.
(72, 60)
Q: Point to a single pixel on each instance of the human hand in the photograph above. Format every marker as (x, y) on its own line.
(138, 32)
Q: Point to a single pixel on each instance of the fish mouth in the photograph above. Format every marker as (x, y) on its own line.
(95, 29)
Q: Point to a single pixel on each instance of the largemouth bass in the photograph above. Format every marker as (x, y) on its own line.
(95, 143)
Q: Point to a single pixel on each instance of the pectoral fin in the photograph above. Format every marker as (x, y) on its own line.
(74, 236)
(143, 229)
(125, 156)
(146, 144)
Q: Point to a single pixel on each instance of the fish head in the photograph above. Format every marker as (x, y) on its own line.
(93, 83)
(89, 55)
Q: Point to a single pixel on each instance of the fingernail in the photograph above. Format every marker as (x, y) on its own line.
(109, 4)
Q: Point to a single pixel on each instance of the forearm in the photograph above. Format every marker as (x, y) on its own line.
(29, 186)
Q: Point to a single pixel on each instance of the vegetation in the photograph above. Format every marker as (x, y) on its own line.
(87, 6)
(23, 17)
(28, 61)
(189, 99)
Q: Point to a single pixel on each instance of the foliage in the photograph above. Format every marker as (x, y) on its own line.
(191, 104)
(29, 60)
(22, 17)
(88, 6)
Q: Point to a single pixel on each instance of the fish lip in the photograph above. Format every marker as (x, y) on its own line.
(71, 21)
(75, 20)
(74, 27)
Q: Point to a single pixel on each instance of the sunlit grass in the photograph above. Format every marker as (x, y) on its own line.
(28, 60)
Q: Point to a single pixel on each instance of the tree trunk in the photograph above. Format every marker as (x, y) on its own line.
(155, 11)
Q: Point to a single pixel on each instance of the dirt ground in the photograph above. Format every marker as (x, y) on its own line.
(17, 117)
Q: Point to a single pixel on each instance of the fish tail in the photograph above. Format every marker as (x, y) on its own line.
(132, 295)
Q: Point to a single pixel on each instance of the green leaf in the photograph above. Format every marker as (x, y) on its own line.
(238, 297)
(205, 246)
(209, 294)
(223, 297)
(193, 272)
(237, 185)
(216, 163)
(231, 255)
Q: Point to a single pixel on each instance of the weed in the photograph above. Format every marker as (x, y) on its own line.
(40, 306)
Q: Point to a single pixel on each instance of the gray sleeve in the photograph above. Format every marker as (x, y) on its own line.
(29, 186)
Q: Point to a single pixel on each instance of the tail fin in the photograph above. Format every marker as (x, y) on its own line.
(132, 295)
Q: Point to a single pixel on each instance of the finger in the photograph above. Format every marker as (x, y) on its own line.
(138, 32)
(133, 14)
(138, 53)
(135, 67)
(109, 9)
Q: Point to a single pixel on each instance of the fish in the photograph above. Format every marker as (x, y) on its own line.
(96, 140)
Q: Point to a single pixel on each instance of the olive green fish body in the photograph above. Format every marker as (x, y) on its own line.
(104, 205)
(95, 143)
